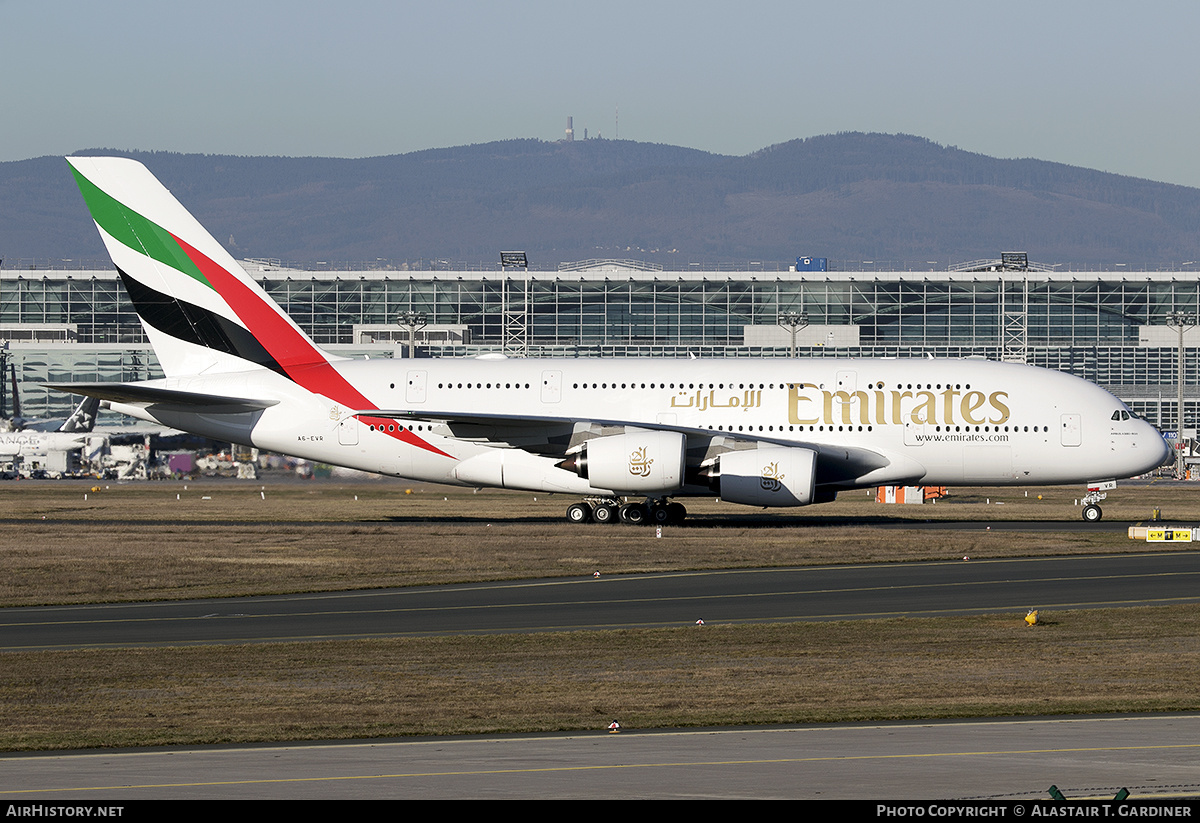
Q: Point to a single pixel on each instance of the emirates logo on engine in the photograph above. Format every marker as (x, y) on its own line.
(771, 475)
(639, 463)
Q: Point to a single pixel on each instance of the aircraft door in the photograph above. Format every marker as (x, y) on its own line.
(1071, 430)
(847, 385)
(348, 431)
(551, 386)
(914, 433)
(415, 391)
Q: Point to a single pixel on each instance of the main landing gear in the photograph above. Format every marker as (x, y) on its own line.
(610, 510)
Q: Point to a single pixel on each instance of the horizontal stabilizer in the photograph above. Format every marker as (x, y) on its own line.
(139, 394)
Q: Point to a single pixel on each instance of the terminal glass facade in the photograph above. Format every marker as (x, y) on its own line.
(1107, 327)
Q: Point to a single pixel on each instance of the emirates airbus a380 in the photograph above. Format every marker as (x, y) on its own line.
(628, 436)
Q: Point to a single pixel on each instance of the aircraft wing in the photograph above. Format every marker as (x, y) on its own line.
(836, 464)
(489, 419)
(510, 422)
(139, 394)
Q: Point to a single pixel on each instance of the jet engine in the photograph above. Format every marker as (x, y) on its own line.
(639, 462)
(767, 476)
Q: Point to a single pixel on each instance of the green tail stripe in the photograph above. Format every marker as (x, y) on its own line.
(135, 231)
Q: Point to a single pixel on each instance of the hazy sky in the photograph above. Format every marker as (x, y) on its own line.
(1104, 84)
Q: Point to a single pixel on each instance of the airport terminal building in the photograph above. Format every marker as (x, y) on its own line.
(1119, 328)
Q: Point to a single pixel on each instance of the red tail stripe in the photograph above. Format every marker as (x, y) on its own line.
(291, 349)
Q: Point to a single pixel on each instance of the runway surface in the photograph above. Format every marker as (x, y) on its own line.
(726, 596)
(1153, 757)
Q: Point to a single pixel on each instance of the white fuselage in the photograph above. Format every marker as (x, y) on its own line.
(26, 444)
(509, 422)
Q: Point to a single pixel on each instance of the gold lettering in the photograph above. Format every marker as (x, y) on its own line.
(846, 401)
(948, 406)
(863, 412)
(639, 463)
(971, 401)
(771, 475)
(999, 405)
(926, 410)
(794, 398)
(805, 408)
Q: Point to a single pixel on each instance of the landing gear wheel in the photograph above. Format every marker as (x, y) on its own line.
(604, 513)
(579, 513)
(661, 515)
(677, 512)
(1092, 513)
(635, 514)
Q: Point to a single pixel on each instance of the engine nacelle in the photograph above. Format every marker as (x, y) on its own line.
(638, 462)
(768, 476)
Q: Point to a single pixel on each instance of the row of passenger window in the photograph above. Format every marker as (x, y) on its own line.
(879, 385)
(481, 386)
(848, 428)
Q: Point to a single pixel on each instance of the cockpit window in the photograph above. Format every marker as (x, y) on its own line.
(1121, 414)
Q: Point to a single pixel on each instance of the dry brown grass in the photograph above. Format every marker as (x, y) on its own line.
(138, 542)
(1085, 661)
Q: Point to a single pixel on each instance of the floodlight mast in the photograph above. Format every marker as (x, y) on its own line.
(1181, 321)
(414, 321)
(793, 321)
(514, 260)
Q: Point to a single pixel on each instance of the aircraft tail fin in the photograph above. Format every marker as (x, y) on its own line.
(15, 394)
(83, 419)
(200, 309)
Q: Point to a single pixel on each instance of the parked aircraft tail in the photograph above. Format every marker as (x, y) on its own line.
(16, 395)
(83, 419)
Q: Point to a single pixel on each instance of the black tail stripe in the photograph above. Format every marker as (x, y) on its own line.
(193, 324)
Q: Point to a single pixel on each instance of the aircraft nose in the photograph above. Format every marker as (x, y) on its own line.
(1154, 437)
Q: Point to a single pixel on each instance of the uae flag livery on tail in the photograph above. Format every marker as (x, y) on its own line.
(201, 311)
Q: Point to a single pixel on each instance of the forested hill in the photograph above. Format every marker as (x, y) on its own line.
(849, 197)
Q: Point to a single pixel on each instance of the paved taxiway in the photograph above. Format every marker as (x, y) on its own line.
(625, 601)
(970, 760)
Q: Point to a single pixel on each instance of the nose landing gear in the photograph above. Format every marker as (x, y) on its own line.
(1091, 502)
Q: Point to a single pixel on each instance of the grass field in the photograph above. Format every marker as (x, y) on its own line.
(147, 541)
(173, 540)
